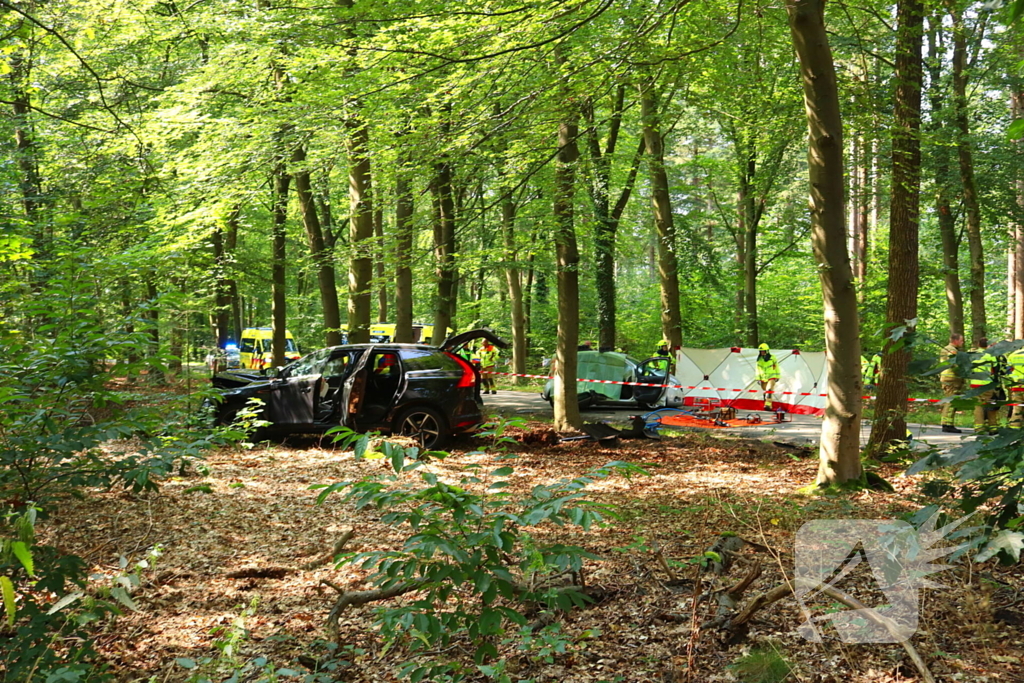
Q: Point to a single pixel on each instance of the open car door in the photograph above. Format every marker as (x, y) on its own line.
(652, 371)
(455, 341)
(290, 401)
(353, 393)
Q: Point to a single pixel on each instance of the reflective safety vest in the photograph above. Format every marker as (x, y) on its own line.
(948, 355)
(663, 363)
(488, 356)
(983, 368)
(767, 368)
(1015, 363)
(869, 368)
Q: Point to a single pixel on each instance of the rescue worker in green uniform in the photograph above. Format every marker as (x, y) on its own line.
(767, 374)
(952, 382)
(488, 361)
(1015, 382)
(986, 415)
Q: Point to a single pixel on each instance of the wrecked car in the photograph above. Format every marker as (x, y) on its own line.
(426, 392)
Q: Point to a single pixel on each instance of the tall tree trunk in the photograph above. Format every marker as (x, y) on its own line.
(403, 256)
(860, 184)
(379, 264)
(943, 181)
(222, 290)
(179, 331)
(839, 455)
(566, 402)
(965, 155)
(748, 222)
(513, 279)
(668, 266)
(230, 245)
(531, 274)
(740, 240)
(904, 213)
(153, 313)
(360, 269)
(323, 259)
(444, 249)
(278, 311)
(606, 225)
(1017, 280)
(29, 181)
(861, 213)
(128, 315)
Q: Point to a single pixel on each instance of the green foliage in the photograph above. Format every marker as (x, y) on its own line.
(227, 666)
(987, 477)
(61, 414)
(497, 430)
(762, 665)
(42, 641)
(473, 558)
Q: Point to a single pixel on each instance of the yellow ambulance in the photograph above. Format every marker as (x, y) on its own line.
(384, 333)
(257, 348)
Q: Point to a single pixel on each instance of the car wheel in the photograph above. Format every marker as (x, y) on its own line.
(425, 425)
(646, 406)
(227, 418)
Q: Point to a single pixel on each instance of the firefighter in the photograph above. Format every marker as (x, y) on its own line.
(986, 415)
(952, 382)
(871, 369)
(488, 360)
(1015, 381)
(663, 362)
(767, 374)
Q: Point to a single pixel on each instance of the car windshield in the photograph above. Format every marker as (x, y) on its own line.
(307, 365)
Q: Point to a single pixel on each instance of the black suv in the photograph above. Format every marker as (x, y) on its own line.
(411, 389)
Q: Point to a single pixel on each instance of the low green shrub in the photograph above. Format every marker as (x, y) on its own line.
(473, 558)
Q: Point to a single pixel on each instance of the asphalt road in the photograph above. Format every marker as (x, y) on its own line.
(803, 430)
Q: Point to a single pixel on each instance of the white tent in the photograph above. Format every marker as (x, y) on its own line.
(729, 375)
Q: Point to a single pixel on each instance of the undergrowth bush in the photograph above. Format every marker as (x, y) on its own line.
(66, 427)
(57, 424)
(475, 557)
(983, 476)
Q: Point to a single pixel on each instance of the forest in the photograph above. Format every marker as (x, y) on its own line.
(839, 177)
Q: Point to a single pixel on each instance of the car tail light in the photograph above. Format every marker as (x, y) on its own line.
(468, 379)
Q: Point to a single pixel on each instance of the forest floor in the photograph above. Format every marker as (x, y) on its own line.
(239, 577)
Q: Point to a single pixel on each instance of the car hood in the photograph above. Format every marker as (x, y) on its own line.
(232, 379)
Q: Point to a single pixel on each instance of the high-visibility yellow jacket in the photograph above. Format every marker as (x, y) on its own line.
(767, 368)
(869, 368)
(1015, 363)
(984, 366)
(488, 356)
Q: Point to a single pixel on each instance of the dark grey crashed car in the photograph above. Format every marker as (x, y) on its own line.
(411, 389)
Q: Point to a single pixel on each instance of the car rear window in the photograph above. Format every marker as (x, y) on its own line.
(415, 359)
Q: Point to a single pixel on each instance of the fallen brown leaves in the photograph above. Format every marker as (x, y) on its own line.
(255, 540)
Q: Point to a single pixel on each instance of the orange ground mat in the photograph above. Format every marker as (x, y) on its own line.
(681, 420)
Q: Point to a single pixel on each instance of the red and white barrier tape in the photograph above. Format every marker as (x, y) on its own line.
(671, 386)
(680, 386)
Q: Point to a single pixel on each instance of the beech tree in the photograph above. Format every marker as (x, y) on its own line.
(566, 406)
(839, 452)
(901, 311)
